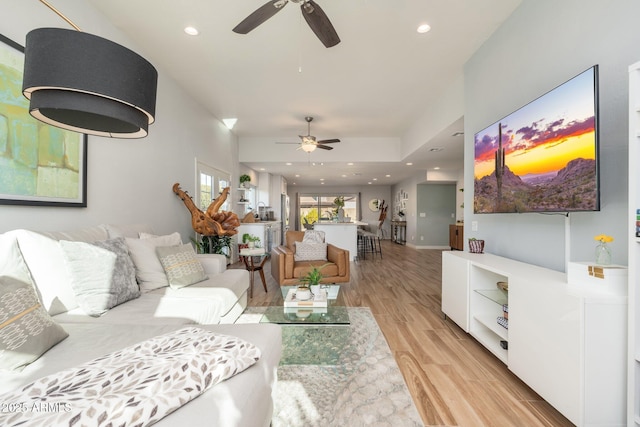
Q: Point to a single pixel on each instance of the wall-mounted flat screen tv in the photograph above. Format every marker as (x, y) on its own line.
(544, 156)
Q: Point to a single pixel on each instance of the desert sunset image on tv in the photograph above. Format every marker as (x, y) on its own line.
(542, 157)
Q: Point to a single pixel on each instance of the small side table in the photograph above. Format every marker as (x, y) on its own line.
(254, 260)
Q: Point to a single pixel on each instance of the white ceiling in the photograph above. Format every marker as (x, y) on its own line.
(374, 85)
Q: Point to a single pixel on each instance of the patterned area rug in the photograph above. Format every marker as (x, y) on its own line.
(358, 384)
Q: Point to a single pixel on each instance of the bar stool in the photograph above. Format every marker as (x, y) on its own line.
(369, 242)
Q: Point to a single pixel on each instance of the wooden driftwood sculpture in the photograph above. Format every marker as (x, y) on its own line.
(211, 222)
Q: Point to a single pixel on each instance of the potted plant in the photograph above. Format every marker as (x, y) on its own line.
(312, 278)
(243, 179)
(250, 240)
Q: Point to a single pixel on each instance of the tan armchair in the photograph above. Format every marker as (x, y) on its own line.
(287, 271)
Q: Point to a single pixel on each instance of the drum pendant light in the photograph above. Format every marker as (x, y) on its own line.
(84, 83)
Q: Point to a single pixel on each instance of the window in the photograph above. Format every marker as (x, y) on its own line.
(210, 184)
(321, 207)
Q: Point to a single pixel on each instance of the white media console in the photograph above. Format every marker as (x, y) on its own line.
(565, 341)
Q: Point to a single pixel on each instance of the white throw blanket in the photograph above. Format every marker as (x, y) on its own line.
(138, 385)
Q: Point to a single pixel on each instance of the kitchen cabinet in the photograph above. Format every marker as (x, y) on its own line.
(456, 237)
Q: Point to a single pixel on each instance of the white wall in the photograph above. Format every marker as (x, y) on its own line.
(542, 44)
(128, 180)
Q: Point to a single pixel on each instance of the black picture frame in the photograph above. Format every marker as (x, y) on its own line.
(40, 164)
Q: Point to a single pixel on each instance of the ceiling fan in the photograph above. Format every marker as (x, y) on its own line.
(313, 14)
(309, 143)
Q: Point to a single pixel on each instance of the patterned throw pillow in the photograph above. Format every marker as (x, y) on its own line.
(310, 251)
(149, 271)
(102, 274)
(313, 236)
(26, 329)
(181, 265)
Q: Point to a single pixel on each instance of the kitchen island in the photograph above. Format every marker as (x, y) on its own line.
(341, 234)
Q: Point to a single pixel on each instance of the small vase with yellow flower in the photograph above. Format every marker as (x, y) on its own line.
(603, 251)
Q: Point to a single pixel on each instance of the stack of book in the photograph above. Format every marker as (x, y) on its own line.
(317, 300)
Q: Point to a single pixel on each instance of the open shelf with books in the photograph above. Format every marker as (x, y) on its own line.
(486, 307)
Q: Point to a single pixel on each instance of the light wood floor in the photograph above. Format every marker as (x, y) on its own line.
(454, 381)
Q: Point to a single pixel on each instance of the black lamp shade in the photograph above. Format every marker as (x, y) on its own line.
(84, 83)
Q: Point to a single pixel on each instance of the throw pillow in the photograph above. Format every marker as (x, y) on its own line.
(102, 274)
(310, 251)
(43, 256)
(26, 329)
(126, 230)
(181, 265)
(313, 236)
(11, 262)
(149, 271)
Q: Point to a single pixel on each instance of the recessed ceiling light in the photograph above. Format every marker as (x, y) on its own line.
(288, 163)
(375, 179)
(344, 176)
(369, 182)
(388, 176)
(350, 164)
(229, 123)
(409, 164)
(437, 168)
(321, 179)
(297, 175)
(192, 31)
(262, 169)
(424, 28)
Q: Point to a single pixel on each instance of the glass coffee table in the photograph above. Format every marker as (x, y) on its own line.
(311, 335)
(334, 314)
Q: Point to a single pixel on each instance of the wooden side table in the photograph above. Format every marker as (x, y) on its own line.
(254, 260)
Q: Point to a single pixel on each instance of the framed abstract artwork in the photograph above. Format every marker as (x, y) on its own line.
(39, 164)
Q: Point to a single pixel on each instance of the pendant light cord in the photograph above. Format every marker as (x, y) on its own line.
(60, 14)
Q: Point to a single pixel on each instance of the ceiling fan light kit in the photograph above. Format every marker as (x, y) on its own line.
(309, 143)
(313, 15)
(308, 148)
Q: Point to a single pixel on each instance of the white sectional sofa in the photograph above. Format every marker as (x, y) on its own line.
(213, 304)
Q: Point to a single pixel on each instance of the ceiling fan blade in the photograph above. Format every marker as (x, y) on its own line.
(260, 15)
(328, 141)
(324, 147)
(319, 23)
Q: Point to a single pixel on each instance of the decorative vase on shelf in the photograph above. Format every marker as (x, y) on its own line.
(603, 254)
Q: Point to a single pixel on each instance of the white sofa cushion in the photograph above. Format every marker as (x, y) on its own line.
(150, 309)
(86, 234)
(102, 274)
(213, 263)
(11, 261)
(126, 230)
(149, 271)
(243, 400)
(224, 290)
(181, 265)
(43, 256)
